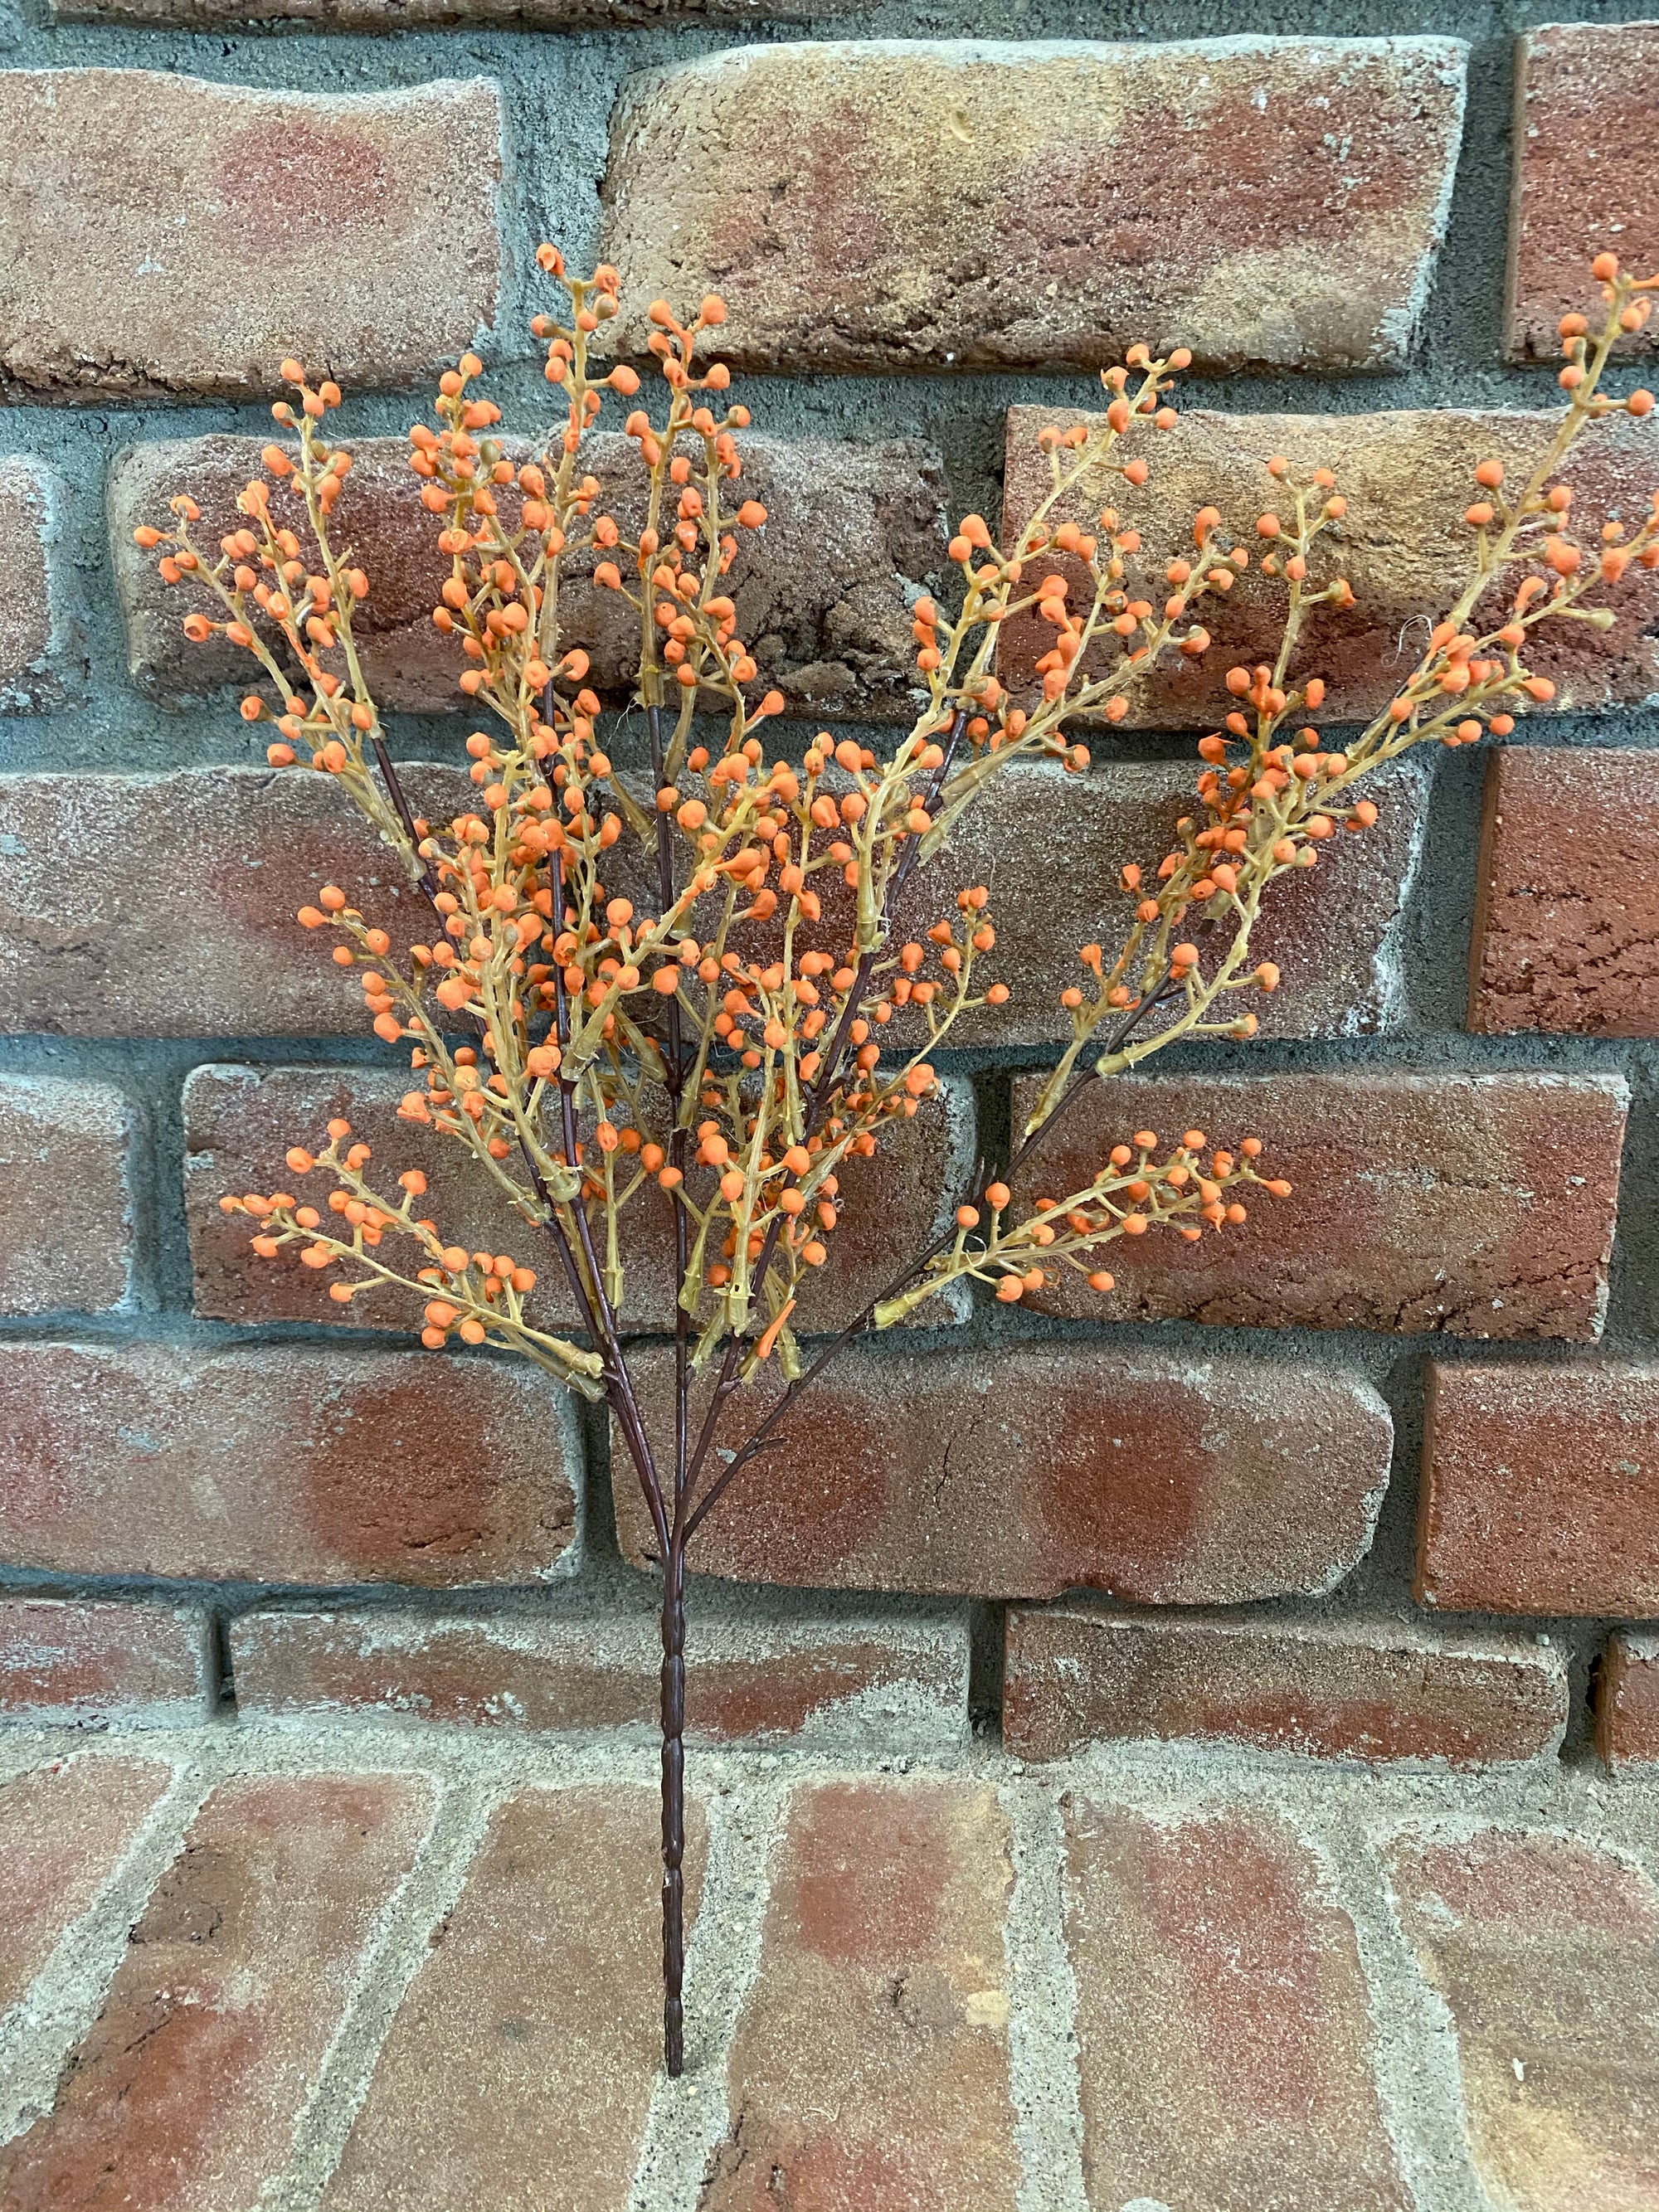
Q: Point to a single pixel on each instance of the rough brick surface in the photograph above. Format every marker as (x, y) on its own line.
(869, 2064)
(1037, 1467)
(1566, 933)
(164, 905)
(905, 204)
(1364, 1690)
(1545, 1950)
(870, 1684)
(63, 1831)
(189, 2082)
(89, 942)
(1585, 95)
(518, 2073)
(1051, 847)
(35, 634)
(1626, 1706)
(239, 1121)
(1471, 1205)
(212, 229)
(74, 1660)
(823, 593)
(285, 1465)
(67, 1231)
(1541, 1489)
(1627, 1702)
(1408, 475)
(1223, 2020)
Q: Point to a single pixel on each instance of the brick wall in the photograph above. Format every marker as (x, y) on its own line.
(1381, 1482)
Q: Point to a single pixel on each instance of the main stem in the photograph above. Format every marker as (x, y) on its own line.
(673, 1565)
(673, 1805)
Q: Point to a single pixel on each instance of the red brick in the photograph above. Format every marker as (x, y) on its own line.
(1337, 939)
(81, 920)
(173, 235)
(908, 204)
(239, 1121)
(1039, 1468)
(76, 1660)
(823, 593)
(870, 2065)
(63, 1831)
(1566, 933)
(1546, 1951)
(1541, 1489)
(37, 635)
(1476, 1206)
(875, 1684)
(1627, 1702)
(1223, 2018)
(287, 1464)
(1585, 97)
(1369, 1690)
(103, 866)
(185, 2091)
(518, 2073)
(1403, 544)
(1050, 844)
(76, 1253)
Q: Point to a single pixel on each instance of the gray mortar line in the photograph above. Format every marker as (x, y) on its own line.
(688, 2119)
(1043, 2045)
(1413, 2042)
(397, 1948)
(41, 2031)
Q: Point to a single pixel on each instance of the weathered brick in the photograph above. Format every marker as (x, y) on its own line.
(823, 593)
(63, 1831)
(869, 2064)
(873, 1684)
(1408, 475)
(1368, 1690)
(1541, 1489)
(907, 204)
(37, 636)
(67, 1231)
(1546, 1951)
(1566, 933)
(164, 905)
(76, 1660)
(1470, 1205)
(173, 235)
(90, 943)
(518, 2073)
(1627, 1701)
(1223, 2020)
(1585, 96)
(186, 2089)
(239, 1121)
(1040, 1467)
(284, 1464)
(1051, 845)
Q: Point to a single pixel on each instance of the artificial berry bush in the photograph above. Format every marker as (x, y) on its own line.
(675, 1006)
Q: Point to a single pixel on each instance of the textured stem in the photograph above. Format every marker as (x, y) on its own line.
(673, 1806)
